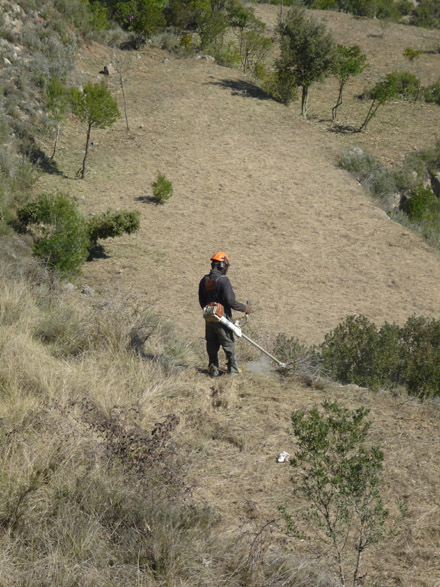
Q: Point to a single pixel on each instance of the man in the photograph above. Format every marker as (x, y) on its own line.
(216, 287)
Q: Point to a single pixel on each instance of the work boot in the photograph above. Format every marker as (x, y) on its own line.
(213, 370)
(233, 368)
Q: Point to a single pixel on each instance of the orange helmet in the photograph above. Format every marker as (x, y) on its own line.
(222, 260)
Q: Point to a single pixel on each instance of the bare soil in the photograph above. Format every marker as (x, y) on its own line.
(307, 247)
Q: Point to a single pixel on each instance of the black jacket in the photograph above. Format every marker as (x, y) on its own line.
(216, 287)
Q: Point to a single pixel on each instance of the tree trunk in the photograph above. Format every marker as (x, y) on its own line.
(371, 113)
(305, 95)
(338, 103)
(121, 82)
(56, 142)
(86, 152)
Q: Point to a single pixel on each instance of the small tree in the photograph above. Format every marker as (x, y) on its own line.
(59, 231)
(111, 224)
(95, 106)
(253, 46)
(306, 51)
(143, 17)
(348, 62)
(162, 189)
(382, 93)
(340, 476)
(122, 66)
(57, 101)
(63, 237)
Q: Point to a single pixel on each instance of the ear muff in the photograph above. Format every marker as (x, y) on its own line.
(223, 265)
(221, 260)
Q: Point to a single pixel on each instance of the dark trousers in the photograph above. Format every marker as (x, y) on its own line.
(218, 336)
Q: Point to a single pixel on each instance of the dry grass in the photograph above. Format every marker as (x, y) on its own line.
(307, 246)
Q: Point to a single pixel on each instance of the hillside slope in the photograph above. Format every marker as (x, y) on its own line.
(307, 247)
(250, 177)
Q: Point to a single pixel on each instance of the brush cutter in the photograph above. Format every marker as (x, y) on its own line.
(214, 312)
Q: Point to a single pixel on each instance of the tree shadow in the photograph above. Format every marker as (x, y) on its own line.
(148, 200)
(38, 158)
(242, 88)
(344, 129)
(97, 252)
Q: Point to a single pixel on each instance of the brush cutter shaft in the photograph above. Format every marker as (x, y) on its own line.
(237, 330)
(263, 351)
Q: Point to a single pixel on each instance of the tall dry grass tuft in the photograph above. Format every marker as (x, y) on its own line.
(91, 490)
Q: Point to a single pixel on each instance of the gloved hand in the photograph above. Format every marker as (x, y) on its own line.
(248, 309)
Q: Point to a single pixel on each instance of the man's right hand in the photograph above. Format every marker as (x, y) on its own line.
(248, 309)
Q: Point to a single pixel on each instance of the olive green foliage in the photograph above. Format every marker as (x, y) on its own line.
(369, 8)
(306, 51)
(95, 106)
(142, 17)
(378, 179)
(380, 94)
(63, 237)
(162, 189)
(253, 46)
(419, 208)
(411, 54)
(358, 352)
(354, 353)
(340, 475)
(279, 85)
(348, 62)
(60, 232)
(426, 14)
(421, 204)
(111, 224)
(431, 94)
(406, 84)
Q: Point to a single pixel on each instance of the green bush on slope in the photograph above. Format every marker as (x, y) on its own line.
(63, 237)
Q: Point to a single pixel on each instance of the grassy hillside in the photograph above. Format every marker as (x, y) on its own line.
(123, 463)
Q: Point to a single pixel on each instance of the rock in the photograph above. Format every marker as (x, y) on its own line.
(109, 69)
(434, 180)
(68, 286)
(392, 202)
(88, 291)
(206, 57)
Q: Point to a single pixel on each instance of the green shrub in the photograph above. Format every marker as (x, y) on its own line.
(356, 351)
(426, 14)
(405, 7)
(111, 224)
(350, 352)
(339, 474)
(378, 9)
(422, 204)
(369, 172)
(431, 94)
(60, 231)
(420, 356)
(162, 189)
(62, 236)
(279, 85)
(406, 84)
